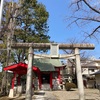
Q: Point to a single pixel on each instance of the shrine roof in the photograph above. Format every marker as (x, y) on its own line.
(38, 65)
(96, 73)
(45, 64)
(19, 68)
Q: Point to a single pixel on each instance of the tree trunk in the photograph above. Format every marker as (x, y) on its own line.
(4, 85)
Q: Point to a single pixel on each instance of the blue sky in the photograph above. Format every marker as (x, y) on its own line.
(58, 10)
(58, 30)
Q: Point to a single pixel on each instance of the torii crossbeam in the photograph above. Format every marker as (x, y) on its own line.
(47, 45)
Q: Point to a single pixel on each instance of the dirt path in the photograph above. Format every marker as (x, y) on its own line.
(90, 94)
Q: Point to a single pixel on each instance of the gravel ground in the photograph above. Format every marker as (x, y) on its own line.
(90, 94)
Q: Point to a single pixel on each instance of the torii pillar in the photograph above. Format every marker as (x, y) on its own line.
(79, 75)
(29, 75)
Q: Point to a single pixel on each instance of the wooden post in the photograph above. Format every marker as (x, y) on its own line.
(79, 75)
(29, 76)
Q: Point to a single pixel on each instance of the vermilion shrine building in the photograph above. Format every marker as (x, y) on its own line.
(44, 69)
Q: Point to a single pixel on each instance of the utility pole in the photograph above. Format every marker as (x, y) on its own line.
(29, 76)
(1, 9)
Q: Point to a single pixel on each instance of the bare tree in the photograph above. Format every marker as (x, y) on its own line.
(86, 15)
(83, 53)
(71, 62)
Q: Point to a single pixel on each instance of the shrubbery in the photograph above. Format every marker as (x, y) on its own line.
(68, 86)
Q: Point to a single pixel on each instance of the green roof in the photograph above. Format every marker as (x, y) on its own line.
(45, 64)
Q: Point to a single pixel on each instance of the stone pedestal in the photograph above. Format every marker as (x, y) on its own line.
(11, 93)
(63, 85)
(19, 89)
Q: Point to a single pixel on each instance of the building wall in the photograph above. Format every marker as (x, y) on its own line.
(85, 71)
(88, 71)
(97, 79)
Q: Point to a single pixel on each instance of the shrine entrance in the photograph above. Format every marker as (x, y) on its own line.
(45, 78)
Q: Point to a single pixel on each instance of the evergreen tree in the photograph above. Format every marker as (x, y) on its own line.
(23, 21)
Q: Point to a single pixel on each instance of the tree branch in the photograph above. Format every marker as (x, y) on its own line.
(87, 18)
(95, 10)
(95, 30)
(77, 19)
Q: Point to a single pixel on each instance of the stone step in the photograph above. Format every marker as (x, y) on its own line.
(46, 87)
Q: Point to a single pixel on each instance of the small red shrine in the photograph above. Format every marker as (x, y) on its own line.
(45, 70)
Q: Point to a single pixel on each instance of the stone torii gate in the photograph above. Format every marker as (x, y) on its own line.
(33, 46)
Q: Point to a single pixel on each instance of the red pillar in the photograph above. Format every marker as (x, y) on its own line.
(39, 77)
(51, 80)
(13, 80)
